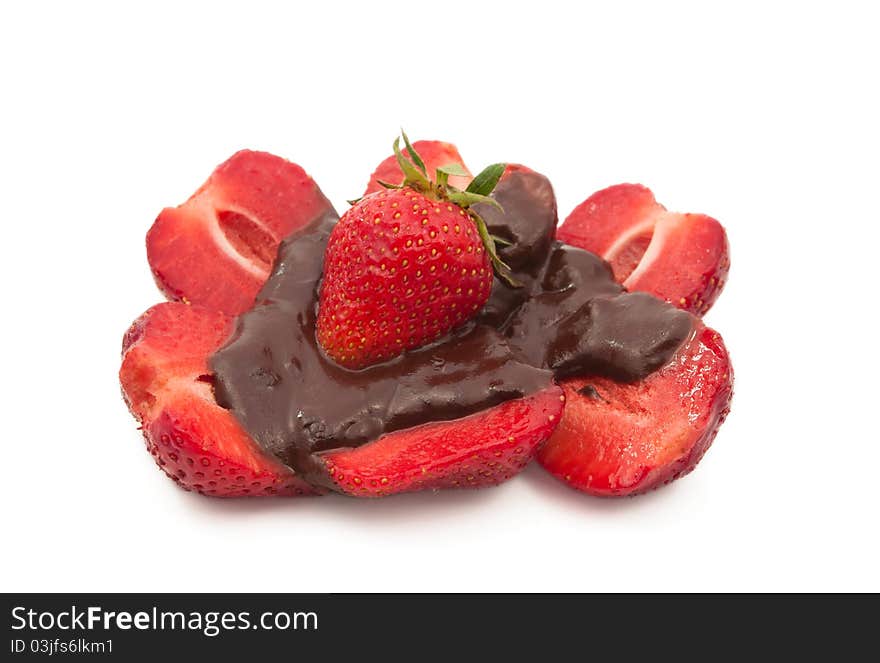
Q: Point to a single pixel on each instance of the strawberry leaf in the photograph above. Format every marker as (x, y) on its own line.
(484, 183)
(501, 268)
(466, 199)
(412, 176)
(416, 159)
(416, 177)
(453, 169)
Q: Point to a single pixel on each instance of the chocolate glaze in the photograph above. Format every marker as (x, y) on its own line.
(568, 318)
(570, 315)
(295, 402)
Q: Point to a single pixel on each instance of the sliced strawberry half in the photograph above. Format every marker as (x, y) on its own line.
(624, 439)
(218, 247)
(483, 449)
(682, 258)
(434, 153)
(167, 384)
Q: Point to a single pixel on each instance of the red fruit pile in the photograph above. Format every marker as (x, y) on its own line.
(407, 264)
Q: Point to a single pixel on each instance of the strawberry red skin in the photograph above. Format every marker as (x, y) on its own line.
(218, 247)
(400, 271)
(166, 383)
(434, 153)
(624, 439)
(483, 449)
(681, 258)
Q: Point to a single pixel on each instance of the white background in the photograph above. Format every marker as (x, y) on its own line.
(763, 115)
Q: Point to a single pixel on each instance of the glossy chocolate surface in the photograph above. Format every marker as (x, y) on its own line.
(568, 318)
(571, 316)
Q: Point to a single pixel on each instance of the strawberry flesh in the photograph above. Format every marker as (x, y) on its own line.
(483, 449)
(434, 153)
(620, 439)
(218, 247)
(681, 258)
(166, 382)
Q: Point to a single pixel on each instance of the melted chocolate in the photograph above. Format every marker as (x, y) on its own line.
(570, 315)
(568, 318)
(295, 402)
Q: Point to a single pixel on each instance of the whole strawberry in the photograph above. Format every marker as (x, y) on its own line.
(406, 265)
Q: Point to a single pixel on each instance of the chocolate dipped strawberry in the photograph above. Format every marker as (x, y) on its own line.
(381, 356)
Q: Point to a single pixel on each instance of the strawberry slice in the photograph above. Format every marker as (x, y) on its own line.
(434, 153)
(218, 247)
(167, 384)
(682, 258)
(624, 439)
(483, 449)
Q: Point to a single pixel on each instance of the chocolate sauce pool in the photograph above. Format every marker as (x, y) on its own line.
(569, 318)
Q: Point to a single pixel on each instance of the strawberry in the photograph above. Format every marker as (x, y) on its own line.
(623, 439)
(682, 258)
(434, 153)
(218, 247)
(167, 384)
(406, 265)
(483, 449)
